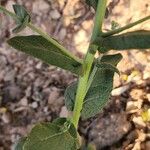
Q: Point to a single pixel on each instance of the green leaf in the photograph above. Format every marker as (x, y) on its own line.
(20, 143)
(107, 66)
(99, 91)
(41, 48)
(23, 18)
(92, 3)
(131, 40)
(50, 136)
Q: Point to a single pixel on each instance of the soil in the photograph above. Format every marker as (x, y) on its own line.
(32, 91)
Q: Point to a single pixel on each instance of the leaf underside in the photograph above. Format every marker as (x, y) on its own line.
(132, 40)
(51, 136)
(39, 47)
(98, 93)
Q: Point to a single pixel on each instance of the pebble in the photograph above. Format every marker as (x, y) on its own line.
(63, 112)
(146, 75)
(139, 122)
(148, 97)
(81, 39)
(137, 146)
(134, 106)
(10, 75)
(6, 117)
(141, 136)
(24, 101)
(54, 94)
(136, 94)
(39, 6)
(55, 14)
(120, 90)
(34, 105)
(62, 33)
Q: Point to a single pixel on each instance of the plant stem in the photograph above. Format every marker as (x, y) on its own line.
(88, 61)
(109, 33)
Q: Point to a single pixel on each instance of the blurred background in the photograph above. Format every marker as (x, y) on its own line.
(31, 91)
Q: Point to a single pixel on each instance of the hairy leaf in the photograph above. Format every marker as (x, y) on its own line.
(47, 136)
(131, 40)
(99, 91)
(39, 47)
(23, 18)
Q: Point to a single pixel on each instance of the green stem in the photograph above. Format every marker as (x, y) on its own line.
(88, 61)
(91, 78)
(109, 33)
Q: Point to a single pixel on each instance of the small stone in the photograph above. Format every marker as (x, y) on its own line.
(55, 14)
(53, 96)
(34, 105)
(9, 76)
(138, 121)
(64, 112)
(6, 117)
(148, 97)
(120, 90)
(24, 101)
(81, 39)
(39, 6)
(141, 136)
(45, 109)
(134, 106)
(39, 65)
(136, 94)
(146, 75)
(137, 146)
(62, 33)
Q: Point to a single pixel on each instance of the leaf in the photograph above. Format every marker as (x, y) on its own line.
(107, 66)
(46, 51)
(131, 40)
(99, 91)
(47, 136)
(20, 143)
(23, 18)
(92, 3)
